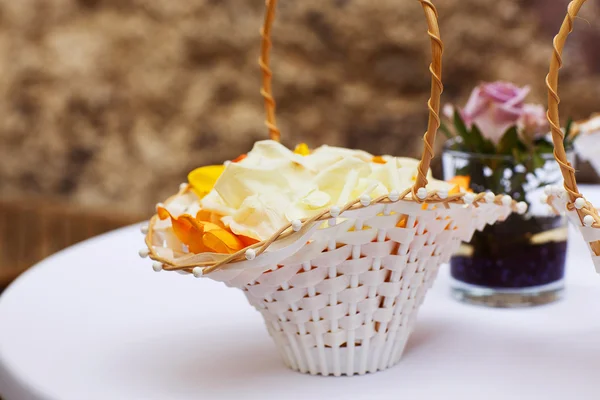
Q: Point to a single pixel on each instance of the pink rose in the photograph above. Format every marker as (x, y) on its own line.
(533, 122)
(495, 107)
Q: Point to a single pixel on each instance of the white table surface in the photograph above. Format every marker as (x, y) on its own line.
(95, 322)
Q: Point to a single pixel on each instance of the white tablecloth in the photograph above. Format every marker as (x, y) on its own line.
(95, 322)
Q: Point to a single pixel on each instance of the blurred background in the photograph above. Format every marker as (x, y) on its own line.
(105, 105)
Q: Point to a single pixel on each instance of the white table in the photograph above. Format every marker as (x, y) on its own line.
(95, 322)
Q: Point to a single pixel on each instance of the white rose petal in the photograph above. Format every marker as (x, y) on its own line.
(273, 186)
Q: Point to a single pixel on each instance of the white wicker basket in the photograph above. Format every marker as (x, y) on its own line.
(581, 212)
(342, 297)
(340, 292)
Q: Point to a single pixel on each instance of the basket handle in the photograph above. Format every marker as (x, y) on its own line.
(433, 104)
(558, 136)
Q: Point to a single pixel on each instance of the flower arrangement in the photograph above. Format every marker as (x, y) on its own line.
(217, 213)
(496, 121)
(500, 143)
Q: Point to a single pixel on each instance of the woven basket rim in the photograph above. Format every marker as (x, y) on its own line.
(434, 197)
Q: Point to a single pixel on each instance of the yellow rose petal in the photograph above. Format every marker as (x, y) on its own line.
(203, 179)
(302, 149)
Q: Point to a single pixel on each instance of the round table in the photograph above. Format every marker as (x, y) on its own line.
(95, 322)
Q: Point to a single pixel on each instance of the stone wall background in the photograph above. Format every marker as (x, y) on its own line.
(111, 102)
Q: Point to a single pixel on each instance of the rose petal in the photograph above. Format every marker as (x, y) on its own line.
(203, 179)
(316, 199)
(302, 149)
(462, 181)
(247, 241)
(219, 240)
(189, 233)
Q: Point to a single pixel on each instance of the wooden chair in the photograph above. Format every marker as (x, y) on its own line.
(31, 230)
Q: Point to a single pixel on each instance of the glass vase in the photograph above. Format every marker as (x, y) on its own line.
(519, 262)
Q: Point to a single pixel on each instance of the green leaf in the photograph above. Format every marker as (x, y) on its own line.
(538, 162)
(517, 155)
(543, 146)
(509, 142)
(482, 145)
(568, 142)
(495, 181)
(461, 132)
(467, 141)
(446, 131)
(568, 127)
(459, 124)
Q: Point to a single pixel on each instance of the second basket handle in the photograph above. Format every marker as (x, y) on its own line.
(558, 135)
(433, 104)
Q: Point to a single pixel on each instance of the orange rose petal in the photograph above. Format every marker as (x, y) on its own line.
(198, 246)
(192, 221)
(230, 240)
(201, 235)
(207, 216)
(187, 230)
(461, 181)
(222, 241)
(239, 158)
(204, 215)
(215, 244)
(183, 230)
(162, 213)
(379, 160)
(454, 190)
(208, 226)
(216, 219)
(247, 241)
(188, 234)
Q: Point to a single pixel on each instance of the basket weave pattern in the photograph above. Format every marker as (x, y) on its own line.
(346, 302)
